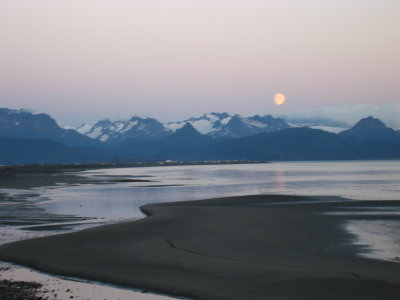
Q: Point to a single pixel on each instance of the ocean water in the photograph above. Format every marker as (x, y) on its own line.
(92, 204)
(366, 180)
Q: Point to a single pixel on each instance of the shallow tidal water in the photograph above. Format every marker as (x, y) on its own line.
(355, 180)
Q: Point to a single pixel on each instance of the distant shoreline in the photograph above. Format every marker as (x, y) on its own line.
(109, 165)
(248, 247)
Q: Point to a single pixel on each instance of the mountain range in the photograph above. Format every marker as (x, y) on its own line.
(215, 125)
(23, 124)
(27, 138)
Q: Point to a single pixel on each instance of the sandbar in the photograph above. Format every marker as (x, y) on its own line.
(250, 247)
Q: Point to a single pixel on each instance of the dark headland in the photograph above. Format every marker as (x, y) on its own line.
(250, 247)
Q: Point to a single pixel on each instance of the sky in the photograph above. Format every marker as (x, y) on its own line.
(83, 60)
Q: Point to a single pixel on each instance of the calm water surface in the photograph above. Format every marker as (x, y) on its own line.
(355, 180)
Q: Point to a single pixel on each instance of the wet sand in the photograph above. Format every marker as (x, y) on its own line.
(251, 247)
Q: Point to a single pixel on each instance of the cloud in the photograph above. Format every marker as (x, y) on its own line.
(349, 114)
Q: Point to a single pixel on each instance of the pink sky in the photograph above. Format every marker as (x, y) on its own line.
(85, 60)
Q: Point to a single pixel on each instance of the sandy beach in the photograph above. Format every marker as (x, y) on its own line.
(250, 247)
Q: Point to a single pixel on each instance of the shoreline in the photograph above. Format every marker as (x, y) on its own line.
(61, 168)
(227, 248)
(40, 175)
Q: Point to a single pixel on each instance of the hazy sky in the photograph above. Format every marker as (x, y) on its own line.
(83, 60)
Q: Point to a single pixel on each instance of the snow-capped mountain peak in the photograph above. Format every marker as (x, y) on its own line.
(205, 124)
(224, 124)
(115, 131)
(212, 124)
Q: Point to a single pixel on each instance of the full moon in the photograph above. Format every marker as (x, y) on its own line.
(279, 99)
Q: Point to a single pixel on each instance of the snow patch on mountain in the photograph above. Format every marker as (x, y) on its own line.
(330, 128)
(96, 133)
(85, 128)
(253, 123)
(115, 131)
(205, 124)
(174, 126)
(129, 126)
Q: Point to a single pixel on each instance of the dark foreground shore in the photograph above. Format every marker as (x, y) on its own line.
(18, 290)
(252, 247)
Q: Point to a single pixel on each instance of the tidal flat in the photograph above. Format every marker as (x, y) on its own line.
(257, 238)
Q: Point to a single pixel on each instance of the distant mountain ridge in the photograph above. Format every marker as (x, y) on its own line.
(117, 131)
(181, 145)
(299, 143)
(226, 125)
(36, 138)
(25, 125)
(369, 129)
(213, 124)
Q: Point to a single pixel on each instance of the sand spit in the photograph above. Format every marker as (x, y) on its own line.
(248, 247)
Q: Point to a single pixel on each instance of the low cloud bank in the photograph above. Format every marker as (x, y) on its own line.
(347, 115)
